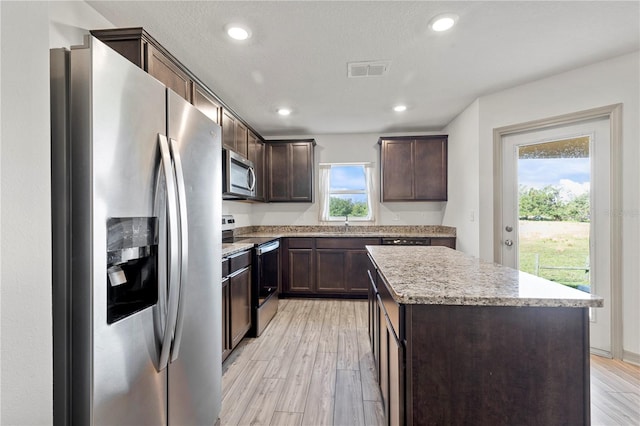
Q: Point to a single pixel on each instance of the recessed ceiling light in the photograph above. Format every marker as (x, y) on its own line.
(238, 32)
(443, 22)
(399, 108)
(284, 111)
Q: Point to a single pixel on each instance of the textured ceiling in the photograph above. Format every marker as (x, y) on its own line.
(298, 54)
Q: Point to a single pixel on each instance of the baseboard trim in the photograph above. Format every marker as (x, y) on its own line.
(631, 357)
(600, 352)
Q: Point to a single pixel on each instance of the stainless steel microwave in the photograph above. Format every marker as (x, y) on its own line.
(238, 176)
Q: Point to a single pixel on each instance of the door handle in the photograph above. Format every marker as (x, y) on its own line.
(184, 246)
(508, 243)
(173, 247)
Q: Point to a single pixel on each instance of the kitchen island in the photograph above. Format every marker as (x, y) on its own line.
(458, 340)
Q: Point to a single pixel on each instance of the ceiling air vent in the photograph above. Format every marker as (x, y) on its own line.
(368, 69)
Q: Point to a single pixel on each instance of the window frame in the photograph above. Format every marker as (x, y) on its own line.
(367, 191)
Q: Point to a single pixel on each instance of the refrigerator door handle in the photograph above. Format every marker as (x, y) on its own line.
(184, 246)
(173, 247)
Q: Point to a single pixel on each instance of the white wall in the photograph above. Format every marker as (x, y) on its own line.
(25, 201)
(605, 83)
(462, 207)
(341, 148)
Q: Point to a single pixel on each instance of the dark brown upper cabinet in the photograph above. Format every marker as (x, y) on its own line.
(209, 105)
(413, 168)
(234, 133)
(290, 170)
(139, 47)
(143, 50)
(256, 149)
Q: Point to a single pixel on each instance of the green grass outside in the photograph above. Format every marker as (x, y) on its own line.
(559, 244)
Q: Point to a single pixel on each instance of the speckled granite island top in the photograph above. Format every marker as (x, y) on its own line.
(442, 276)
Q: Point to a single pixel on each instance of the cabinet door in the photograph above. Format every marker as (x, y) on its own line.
(240, 304)
(301, 267)
(430, 170)
(444, 242)
(206, 103)
(301, 174)
(383, 372)
(128, 42)
(396, 378)
(331, 266)
(159, 66)
(228, 130)
(256, 155)
(397, 170)
(356, 278)
(414, 168)
(278, 171)
(373, 317)
(241, 138)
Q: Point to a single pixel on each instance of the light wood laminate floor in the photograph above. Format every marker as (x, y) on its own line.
(313, 366)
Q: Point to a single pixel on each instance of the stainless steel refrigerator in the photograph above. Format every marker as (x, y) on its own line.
(136, 178)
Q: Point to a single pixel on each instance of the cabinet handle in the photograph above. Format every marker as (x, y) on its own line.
(238, 272)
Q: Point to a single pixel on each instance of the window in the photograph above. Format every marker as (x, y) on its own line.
(345, 190)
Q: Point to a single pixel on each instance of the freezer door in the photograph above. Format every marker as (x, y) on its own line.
(195, 369)
(117, 113)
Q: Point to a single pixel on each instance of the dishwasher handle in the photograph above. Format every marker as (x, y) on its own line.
(266, 248)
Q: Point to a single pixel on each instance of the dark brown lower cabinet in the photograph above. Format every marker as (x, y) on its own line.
(383, 361)
(374, 320)
(298, 264)
(480, 365)
(389, 350)
(395, 400)
(236, 300)
(356, 263)
(330, 270)
(326, 267)
(240, 304)
(444, 242)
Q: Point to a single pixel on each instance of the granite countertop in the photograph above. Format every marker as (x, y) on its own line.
(434, 231)
(231, 248)
(442, 276)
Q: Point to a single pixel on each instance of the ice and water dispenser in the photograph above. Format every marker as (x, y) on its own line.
(132, 265)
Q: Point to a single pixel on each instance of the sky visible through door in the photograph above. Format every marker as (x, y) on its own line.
(554, 180)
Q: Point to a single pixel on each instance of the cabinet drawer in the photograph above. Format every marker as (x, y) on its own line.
(225, 267)
(394, 311)
(301, 243)
(346, 242)
(444, 242)
(239, 261)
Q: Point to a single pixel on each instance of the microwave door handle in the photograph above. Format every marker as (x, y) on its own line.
(172, 267)
(184, 247)
(252, 174)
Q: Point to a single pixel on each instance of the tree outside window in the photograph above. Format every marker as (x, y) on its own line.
(348, 192)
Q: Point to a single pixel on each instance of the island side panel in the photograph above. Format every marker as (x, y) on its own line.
(497, 365)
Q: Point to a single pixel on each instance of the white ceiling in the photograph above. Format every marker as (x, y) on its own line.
(299, 50)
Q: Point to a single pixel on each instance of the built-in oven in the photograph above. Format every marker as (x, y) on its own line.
(238, 176)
